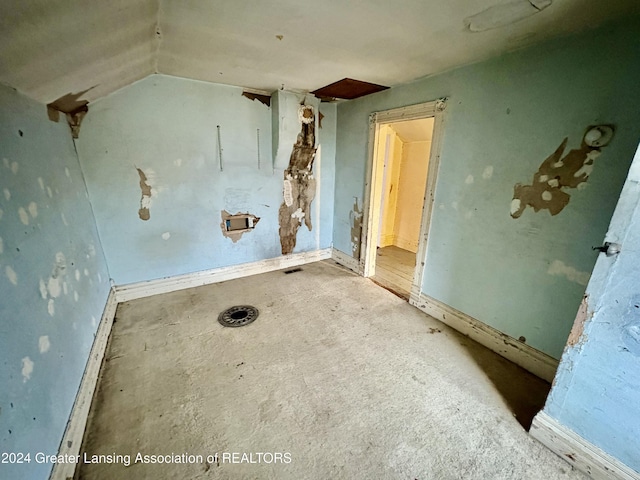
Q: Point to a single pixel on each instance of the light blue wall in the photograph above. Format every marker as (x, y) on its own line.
(166, 126)
(596, 392)
(511, 113)
(44, 321)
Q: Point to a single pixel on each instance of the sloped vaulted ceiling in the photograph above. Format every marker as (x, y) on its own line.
(49, 48)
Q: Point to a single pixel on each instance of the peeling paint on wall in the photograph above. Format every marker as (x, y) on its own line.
(555, 174)
(73, 108)
(356, 228)
(145, 199)
(234, 226)
(577, 335)
(299, 186)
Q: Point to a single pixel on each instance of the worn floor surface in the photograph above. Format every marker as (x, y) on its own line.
(347, 378)
(394, 269)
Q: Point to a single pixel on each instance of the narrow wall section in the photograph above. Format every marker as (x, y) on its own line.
(53, 281)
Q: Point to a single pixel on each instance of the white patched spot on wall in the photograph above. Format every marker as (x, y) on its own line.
(94, 322)
(166, 235)
(27, 369)
(1, 213)
(67, 172)
(43, 289)
(11, 275)
(299, 214)
(43, 344)
(14, 168)
(64, 219)
(76, 296)
(41, 183)
(24, 217)
(51, 307)
(7, 194)
(49, 192)
(558, 267)
(77, 275)
(515, 205)
(487, 173)
(469, 180)
(1, 245)
(177, 162)
(33, 209)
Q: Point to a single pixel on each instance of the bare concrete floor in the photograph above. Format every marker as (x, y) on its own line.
(341, 375)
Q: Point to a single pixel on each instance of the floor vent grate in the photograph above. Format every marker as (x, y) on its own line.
(238, 316)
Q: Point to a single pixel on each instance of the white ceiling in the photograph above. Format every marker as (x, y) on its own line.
(49, 48)
(420, 130)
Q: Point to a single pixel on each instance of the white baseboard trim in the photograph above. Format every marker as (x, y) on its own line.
(74, 433)
(580, 453)
(133, 291)
(535, 361)
(346, 261)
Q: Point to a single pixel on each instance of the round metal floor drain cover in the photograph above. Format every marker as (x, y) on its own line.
(238, 316)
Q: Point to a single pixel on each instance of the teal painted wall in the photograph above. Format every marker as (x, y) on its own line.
(53, 280)
(596, 392)
(167, 127)
(510, 113)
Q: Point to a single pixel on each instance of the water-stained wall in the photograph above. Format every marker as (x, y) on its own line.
(166, 157)
(524, 276)
(53, 280)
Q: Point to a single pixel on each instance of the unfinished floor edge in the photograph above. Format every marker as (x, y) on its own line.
(74, 433)
(346, 260)
(133, 291)
(577, 451)
(532, 360)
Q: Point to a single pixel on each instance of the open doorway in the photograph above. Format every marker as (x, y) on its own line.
(404, 148)
(403, 161)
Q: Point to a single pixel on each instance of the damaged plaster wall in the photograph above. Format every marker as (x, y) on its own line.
(203, 148)
(54, 281)
(602, 357)
(504, 117)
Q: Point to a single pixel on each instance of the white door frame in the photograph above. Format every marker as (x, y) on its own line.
(373, 186)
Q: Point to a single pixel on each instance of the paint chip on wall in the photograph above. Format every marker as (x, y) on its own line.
(11, 275)
(44, 344)
(27, 369)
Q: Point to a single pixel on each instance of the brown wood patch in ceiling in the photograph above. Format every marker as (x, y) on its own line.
(265, 99)
(348, 89)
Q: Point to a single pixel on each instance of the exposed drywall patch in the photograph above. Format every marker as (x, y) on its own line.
(555, 175)
(234, 226)
(43, 344)
(577, 335)
(356, 216)
(24, 217)
(558, 267)
(73, 108)
(33, 209)
(264, 99)
(487, 173)
(301, 189)
(11, 275)
(166, 235)
(27, 369)
(145, 199)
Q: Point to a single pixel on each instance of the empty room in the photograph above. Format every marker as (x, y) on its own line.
(293, 240)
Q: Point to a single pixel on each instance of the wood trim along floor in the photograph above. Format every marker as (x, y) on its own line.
(535, 361)
(577, 451)
(72, 438)
(133, 291)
